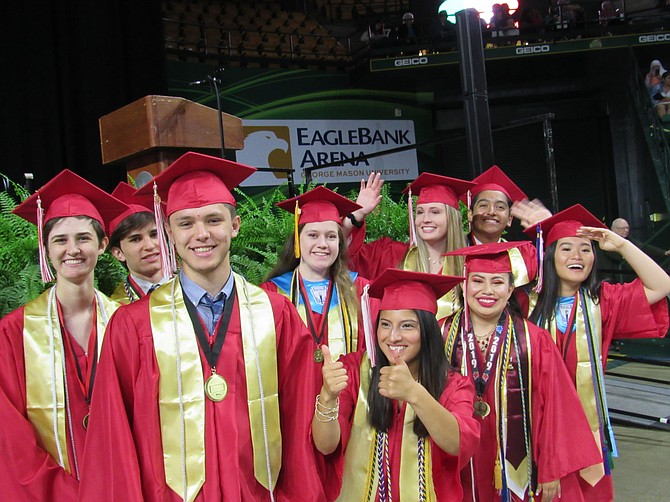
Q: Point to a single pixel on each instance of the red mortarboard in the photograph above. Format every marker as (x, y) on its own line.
(501, 257)
(495, 179)
(125, 193)
(401, 289)
(319, 204)
(436, 188)
(196, 180)
(67, 194)
(565, 224)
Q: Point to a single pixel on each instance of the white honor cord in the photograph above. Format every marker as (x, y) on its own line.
(260, 385)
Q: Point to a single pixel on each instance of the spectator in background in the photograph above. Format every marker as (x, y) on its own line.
(610, 261)
(443, 29)
(653, 78)
(502, 19)
(531, 24)
(608, 14)
(407, 32)
(660, 95)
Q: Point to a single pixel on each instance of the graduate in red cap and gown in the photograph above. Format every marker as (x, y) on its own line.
(489, 211)
(205, 385)
(133, 240)
(395, 422)
(49, 347)
(534, 436)
(435, 229)
(584, 316)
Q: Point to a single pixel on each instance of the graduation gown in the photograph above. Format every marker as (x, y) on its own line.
(562, 442)
(625, 313)
(27, 470)
(444, 477)
(372, 258)
(125, 459)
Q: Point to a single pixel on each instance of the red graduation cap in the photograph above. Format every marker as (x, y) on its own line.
(402, 289)
(196, 180)
(125, 193)
(319, 204)
(435, 188)
(495, 179)
(519, 258)
(67, 194)
(565, 224)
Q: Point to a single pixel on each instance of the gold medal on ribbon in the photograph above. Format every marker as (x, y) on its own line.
(216, 388)
(318, 356)
(84, 422)
(482, 409)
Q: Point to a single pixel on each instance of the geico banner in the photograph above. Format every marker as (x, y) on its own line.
(300, 144)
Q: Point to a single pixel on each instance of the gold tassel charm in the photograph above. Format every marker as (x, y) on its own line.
(296, 236)
(497, 476)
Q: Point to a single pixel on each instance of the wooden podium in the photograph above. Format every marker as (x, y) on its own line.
(152, 132)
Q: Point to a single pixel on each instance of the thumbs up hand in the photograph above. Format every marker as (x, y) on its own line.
(334, 377)
(396, 381)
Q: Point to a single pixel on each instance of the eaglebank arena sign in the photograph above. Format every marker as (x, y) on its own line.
(301, 144)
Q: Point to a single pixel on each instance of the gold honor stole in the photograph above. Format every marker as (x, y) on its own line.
(584, 379)
(124, 295)
(360, 478)
(342, 330)
(181, 395)
(449, 303)
(43, 354)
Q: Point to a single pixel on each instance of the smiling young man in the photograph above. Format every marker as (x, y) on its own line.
(490, 210)
(204, 384)
(134, 242)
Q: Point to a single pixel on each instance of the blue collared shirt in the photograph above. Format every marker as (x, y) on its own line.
(210, 308)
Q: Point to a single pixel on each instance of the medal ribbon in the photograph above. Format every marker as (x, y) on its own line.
(316, 331)
(482, 378)
(211, 350)
(86, 389)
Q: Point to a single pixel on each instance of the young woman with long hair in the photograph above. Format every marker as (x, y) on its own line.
(534, 435)
(584, 315)
(49, 348)
(312, 272)
(395, 422)
(435, 228)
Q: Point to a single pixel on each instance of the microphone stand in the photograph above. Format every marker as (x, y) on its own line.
(214, 80)
(215, 83)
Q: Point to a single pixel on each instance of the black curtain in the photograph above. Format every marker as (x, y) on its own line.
(65, 64)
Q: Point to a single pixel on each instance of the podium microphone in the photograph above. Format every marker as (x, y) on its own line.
(207, 81)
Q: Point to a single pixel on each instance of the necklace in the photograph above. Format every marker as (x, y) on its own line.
(483, 340)
(439, 261)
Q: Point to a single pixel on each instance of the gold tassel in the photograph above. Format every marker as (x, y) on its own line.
(497, 476)
(296, 218)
